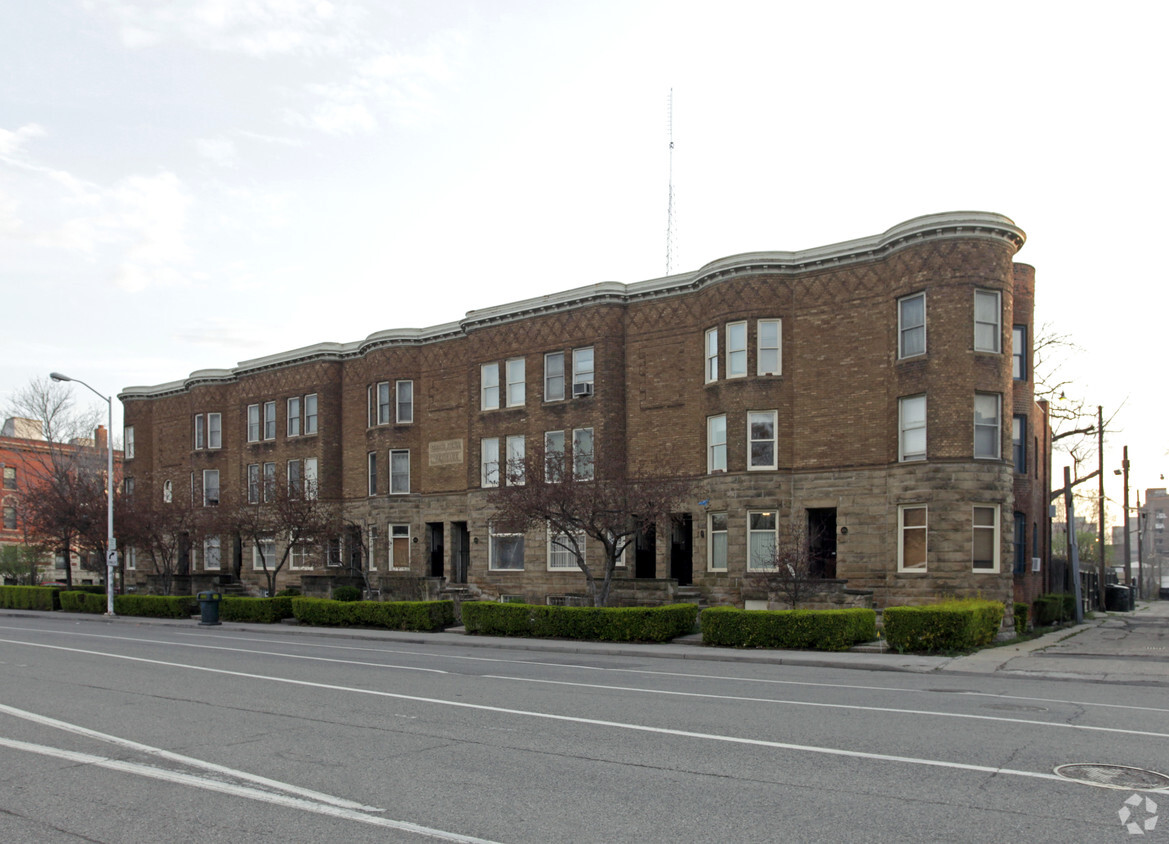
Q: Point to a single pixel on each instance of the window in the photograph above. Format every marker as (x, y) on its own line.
(1020, 543)
(769, 359)
(911, 326)
(736, 350)
(263, 553)
(554, 376)
(712, 355)
(128, 439)
(399, 546)
(582, 454)
(379, 403)
(269, 481)
(716, 444)
(298, 557)
(10, 518)
(761, 438)
(310, 414)
(404, 390)
(253, 483)
(399, 472)
(987, 333)
(10, 477)
(253, 423)
(489, 386)
(761, 536)
(582, 371)
(489, 462)
(515, 468)
(1019, 352)
(515, 382)
(371, 473)
(200, 438)
(128, 487)
(505, 549)
(269, 420)
(562, 548)
(211, 553)
(911, 413)
(210, 487)
(986, 425)
(716, 550)
(294, 416)
(310, 477)
(295, 479)
(215, 430)
(1019, 443)
(553, 456)
(130, 555)
(912, 527)
(333, 551)
(167, 492)
(986, 538)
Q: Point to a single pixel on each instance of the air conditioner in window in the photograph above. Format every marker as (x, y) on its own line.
(584, 389)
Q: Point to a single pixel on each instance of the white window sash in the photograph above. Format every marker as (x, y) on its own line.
(769, 349)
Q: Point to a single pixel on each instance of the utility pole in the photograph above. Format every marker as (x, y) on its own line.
(1100, 458)
(1127, 539)
(1073, 546)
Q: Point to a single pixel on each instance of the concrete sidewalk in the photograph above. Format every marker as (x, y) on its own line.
(1111, 647)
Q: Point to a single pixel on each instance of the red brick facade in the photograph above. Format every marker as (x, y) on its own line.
(833, 330)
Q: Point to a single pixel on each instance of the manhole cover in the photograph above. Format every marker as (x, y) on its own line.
(1113, 776)
(1014, 707)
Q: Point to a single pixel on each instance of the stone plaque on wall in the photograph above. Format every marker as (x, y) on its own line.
(446, 452)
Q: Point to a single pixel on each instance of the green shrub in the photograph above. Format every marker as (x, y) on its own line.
(29, 598)
(950, 626)
(824, 630)
(290, 592)
(83, 602)
(605, 624)
(1022, 618)
(394, 615)
(1054, 608)
(156, 606)
(346, 593)
(255, 610)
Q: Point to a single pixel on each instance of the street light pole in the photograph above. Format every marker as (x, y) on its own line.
(111, 543)
(1127, 538)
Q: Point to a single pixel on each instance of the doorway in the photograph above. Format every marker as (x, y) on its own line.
(682, 548)
(645, 552)
(822, 542)
(434, 542)
(460, 552)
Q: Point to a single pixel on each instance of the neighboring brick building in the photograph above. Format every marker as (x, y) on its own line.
(864, 390)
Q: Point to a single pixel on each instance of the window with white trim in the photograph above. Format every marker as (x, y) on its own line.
(298, 556)
(911, 326)
(253, 423)
(269, 488)
(269, 420)
(489, 462)
(293, 416)
(1019, 352)
(711, 355)
(554, 376)
(263, 553)
(582, 368)
(987, 321)
(562, 548)
(489, 386)
(769, 341)
(215, 430)
(200, 436)
(371, 540)
(912, 427)
(716, 549)
(716, 443)
(505, 549)
(130, 555)
(985, 539)
(371, 473)
(310, 413)
(9, 477)
(211, 558)
(399, 546)
(736, 350)
(582, 454)
(761, 540)
(210, 487)
(310, 478)
(253, 483)
(167, 492)
(128, 439)
(379, 397)
(516, 383)
(987, 425)
(761, 439)
(404, 391)
(295, 478)
(515, 469)
(554, 456)
(399, 471)
(913, 535)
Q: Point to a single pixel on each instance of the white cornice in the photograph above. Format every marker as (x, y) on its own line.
(954, 225)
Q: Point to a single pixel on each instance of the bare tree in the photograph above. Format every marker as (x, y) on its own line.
(585, 497)
(790, 573)
(162, 532)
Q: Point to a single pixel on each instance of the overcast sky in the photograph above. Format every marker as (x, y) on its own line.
(187, 185)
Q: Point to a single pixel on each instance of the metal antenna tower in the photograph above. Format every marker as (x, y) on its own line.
(670, 225)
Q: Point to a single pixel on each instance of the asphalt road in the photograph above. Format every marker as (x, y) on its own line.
(123, 732)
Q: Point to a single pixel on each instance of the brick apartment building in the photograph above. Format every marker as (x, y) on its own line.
(25, 459)
(877, 392)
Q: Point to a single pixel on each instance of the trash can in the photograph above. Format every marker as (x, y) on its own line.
(209, 607)
(1118, 598)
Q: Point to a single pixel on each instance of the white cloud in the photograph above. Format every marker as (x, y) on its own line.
(11, 142)
(219, 151)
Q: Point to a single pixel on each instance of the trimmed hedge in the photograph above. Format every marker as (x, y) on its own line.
(950, 626)
(821, 630)
(1022, 618)
(147, 606)
(255, 610)
(29, 598)
(394, 615)
(605, 624)
(1054, 608)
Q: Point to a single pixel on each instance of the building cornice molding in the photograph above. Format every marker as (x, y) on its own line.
(954, 225)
